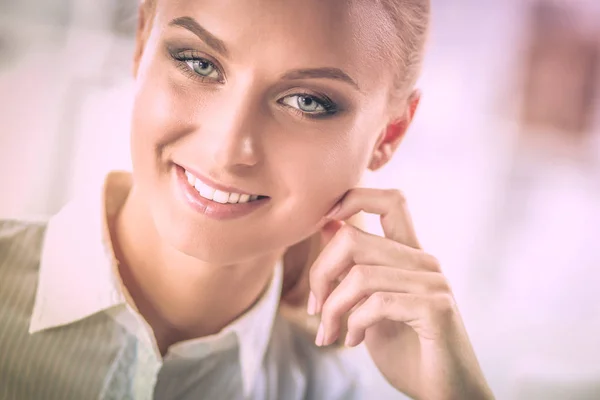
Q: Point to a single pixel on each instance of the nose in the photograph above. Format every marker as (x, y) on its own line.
(232, 129)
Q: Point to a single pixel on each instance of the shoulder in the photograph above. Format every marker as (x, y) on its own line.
(20, 231)
(20, 242)
(10, 227)
(20, 252)
(325, 372)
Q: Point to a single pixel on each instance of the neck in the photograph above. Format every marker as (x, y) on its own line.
(179, 296)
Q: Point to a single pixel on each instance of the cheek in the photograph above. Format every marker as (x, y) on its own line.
(151, 115)
(162, 116)
(318, 175)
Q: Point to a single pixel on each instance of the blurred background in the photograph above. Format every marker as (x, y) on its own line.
(501, 168)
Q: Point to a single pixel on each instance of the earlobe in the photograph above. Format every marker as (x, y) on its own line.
(393, 134)
(376, 160)
(388, 141)
(381, 156)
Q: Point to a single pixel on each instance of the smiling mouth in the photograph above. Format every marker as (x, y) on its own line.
(210, 193)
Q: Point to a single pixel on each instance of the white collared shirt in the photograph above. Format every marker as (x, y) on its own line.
(81, 308)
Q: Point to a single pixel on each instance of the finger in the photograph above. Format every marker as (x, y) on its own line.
(364, 280)
(328, 231)
(351, 246)
(301, 257)
(298, 260)
(421, 312)
(389, 204)
(331, 264)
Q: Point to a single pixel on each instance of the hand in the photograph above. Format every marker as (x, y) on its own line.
(397, 301)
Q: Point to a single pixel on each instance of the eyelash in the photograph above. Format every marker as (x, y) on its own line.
(182, 57)
(325, 102)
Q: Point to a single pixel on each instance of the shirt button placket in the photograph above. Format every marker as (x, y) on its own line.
(147, 370)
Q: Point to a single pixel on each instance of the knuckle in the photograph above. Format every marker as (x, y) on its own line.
(354, 321)
(443, 285)
(444, 305)
(359, 274)
(397, 196)
(328, 312)
(348, 234)
(381, 300)
(420, 286)
(313, 274)
(359, 277)
(429, 262)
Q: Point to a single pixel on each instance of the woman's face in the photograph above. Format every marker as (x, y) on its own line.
(284, 99)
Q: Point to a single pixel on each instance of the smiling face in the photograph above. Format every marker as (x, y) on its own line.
(283, 99)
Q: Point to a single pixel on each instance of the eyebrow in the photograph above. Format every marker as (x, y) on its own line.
(219, 46)
(326, 73)
(193, 26)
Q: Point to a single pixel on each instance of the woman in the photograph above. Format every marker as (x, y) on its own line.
(253, 122)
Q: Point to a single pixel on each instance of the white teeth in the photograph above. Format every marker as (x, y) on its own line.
(234, 198)
(217, 195)
(221, 197)
(191, 178)
(205, 191)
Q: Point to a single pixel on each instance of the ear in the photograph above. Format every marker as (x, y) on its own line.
(394, 132)
(145, 16)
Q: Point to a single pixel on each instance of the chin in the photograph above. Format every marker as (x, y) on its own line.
(222, 242)
(215, 255)
(212, 242)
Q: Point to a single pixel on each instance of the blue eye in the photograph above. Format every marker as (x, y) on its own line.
(203, 68)
(194, 64)
(309, 104)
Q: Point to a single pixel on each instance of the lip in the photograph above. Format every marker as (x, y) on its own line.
(216, 185)
(211, 208)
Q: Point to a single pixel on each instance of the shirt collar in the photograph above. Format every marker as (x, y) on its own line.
(77, 270)
(77, 248)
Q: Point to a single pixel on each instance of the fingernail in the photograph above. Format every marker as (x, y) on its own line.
(311, 308)
(333, 211)
(320, 335)
(348, 341)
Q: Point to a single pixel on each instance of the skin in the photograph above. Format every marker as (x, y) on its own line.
(238, 122)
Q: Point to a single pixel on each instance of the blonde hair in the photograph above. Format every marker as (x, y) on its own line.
(410, 20)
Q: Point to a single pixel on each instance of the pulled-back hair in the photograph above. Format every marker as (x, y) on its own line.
(410, 22)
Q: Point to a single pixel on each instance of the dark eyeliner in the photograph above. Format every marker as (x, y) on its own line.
(183, 55)
(330, 107)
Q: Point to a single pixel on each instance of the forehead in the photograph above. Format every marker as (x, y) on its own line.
(348, 34)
